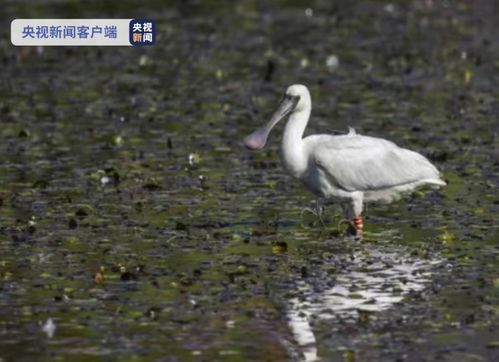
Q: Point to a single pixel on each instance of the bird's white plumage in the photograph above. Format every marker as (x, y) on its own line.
(351, 168)
(362, 163)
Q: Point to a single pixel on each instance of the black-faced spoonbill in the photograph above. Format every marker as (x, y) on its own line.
(351, 169)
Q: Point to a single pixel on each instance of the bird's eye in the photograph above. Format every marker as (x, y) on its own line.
(294, 99)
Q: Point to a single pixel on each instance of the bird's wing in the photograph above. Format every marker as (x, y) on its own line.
(359, 163)
(351, 131)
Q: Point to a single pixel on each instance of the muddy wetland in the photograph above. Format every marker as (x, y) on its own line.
(134, 225)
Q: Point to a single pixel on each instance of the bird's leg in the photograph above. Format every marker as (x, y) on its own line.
(348, 212)
(319, 211)
(355, 213)
(358, 222)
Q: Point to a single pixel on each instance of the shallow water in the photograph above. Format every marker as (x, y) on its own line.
(134, 226)
(377, 279)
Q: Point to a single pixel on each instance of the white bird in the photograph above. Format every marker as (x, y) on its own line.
(350, 169)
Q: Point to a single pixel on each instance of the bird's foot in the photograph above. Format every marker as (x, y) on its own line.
(346, 227)
(354, 227)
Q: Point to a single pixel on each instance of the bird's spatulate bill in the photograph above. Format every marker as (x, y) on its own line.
(258, 139)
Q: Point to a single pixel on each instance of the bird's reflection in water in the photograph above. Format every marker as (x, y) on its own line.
(374, 282)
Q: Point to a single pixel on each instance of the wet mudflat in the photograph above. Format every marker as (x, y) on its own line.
(134, 226)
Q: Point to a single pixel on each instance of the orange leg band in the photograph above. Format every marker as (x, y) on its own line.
(358, 221)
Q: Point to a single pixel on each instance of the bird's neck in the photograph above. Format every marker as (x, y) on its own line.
(293, 153)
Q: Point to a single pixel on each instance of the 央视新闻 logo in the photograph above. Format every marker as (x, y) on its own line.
(142, 32)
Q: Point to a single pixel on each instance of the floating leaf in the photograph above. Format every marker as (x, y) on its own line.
(99, 277)
(468, 74)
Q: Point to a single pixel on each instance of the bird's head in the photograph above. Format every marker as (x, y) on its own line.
(299, 94)
(296, 99)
